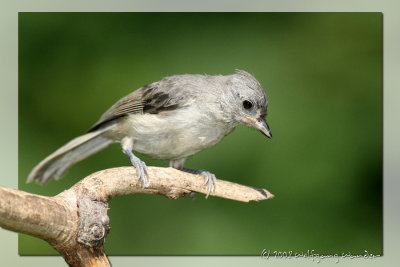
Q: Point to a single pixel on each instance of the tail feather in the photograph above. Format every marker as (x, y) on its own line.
(56, 164)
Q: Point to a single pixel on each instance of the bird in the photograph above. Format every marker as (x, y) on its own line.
(170, 119)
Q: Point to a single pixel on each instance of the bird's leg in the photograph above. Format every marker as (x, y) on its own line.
(141, 168)
(177, 163)
(209, 178)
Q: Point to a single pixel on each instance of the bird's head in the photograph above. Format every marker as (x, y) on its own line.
(247, 101)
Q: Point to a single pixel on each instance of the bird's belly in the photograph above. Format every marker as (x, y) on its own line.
(172, 137)
(167, 146)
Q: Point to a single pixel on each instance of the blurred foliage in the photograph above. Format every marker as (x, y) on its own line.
(323, 76)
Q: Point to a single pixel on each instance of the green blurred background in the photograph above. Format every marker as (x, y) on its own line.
(322, 73)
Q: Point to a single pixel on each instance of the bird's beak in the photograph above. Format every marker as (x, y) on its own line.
(260, 125)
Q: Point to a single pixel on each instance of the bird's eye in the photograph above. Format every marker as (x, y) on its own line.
(247, 104)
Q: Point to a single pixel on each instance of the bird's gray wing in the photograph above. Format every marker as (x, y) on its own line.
(153, 99)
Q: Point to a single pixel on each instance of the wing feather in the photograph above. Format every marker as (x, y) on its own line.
(151, 99)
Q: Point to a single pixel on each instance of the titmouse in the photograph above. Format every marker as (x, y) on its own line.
(172, 119)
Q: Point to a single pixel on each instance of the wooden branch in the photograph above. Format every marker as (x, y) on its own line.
(75, 222)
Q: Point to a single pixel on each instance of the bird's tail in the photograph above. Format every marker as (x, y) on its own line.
(56, 164)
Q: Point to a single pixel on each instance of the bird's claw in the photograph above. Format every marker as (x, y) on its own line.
(141, 171)
(192, 195)
(209, 181)
(209, 178)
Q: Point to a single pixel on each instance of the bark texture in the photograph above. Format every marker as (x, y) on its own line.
(75, 222)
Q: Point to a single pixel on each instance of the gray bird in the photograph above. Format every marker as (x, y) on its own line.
(172, 119)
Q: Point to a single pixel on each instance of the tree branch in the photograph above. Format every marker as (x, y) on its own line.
(75, 222)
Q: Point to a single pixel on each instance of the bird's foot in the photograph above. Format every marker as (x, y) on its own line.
(209, 179)
(192, 195)
(141, 168)
(141, 171)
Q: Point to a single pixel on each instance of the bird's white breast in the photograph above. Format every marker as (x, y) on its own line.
(175, 134)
